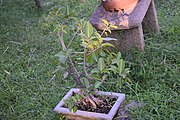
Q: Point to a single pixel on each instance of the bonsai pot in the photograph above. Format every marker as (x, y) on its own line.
(85, 115)
(112, 5)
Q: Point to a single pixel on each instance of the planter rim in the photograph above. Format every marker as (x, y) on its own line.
(109, 116)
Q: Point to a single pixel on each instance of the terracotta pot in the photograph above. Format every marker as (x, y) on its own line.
(112, 5)
(84, 115)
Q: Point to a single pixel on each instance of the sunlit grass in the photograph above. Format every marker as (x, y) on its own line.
(29, 89)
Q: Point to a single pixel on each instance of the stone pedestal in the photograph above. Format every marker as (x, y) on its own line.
(129, 38)
(150, 21)
(130, 30)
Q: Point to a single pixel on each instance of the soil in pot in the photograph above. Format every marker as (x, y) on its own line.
(104, 106)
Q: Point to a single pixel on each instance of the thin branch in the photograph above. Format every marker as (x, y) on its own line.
(77, 53)
(72, 67)
(72, 38)
(75, 77)
(82, 73)
(103, 32)
(84, 66)
(94, 51)
(84, 62)
(72, 64)
(75, 73)
(60, 34)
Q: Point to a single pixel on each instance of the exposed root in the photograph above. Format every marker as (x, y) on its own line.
(92, 101)
(96, 100)
(88, 101)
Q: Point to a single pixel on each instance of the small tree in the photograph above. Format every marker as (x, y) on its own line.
(97, 59)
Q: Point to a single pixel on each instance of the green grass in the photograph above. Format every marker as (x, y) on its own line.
(29, 90)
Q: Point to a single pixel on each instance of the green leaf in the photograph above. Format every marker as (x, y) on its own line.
(62, 57)
(107, 45)
(94, 71)
(109, 30)
(125, 72)
(128, 80)
(121, 66)
(105, 33)
(94, 56)
(115, 61)
(86, 83)
(97, 84)
(104, 77)
(113, 69)
(97, 35)
(119, 55)
(74, 98)
(88, 29)
(78, 97)
(102, 53)
(113, 26)
(90, 59)
(58, 68)
(75, 109)
(70, 108)
(67, 10)
(69, 51)
(105, 22)
(84, 44)
(101, 64)
(96, 76)
(106, 71)
(65, 75)
(55, 9)
(119, 81)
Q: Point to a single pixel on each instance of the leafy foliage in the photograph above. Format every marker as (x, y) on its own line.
(71, 102)
(94, 53)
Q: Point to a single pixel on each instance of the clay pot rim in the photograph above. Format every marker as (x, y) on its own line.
(114, 5)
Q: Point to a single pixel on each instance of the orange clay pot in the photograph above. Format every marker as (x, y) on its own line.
(112, 5)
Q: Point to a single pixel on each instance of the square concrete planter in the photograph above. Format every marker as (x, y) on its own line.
(84, 115)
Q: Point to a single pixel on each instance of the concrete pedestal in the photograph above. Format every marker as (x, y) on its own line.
(130, 31)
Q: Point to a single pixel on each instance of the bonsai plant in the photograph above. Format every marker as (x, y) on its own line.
(97, 62)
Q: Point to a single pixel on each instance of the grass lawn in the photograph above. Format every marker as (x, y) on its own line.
(30, 90)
